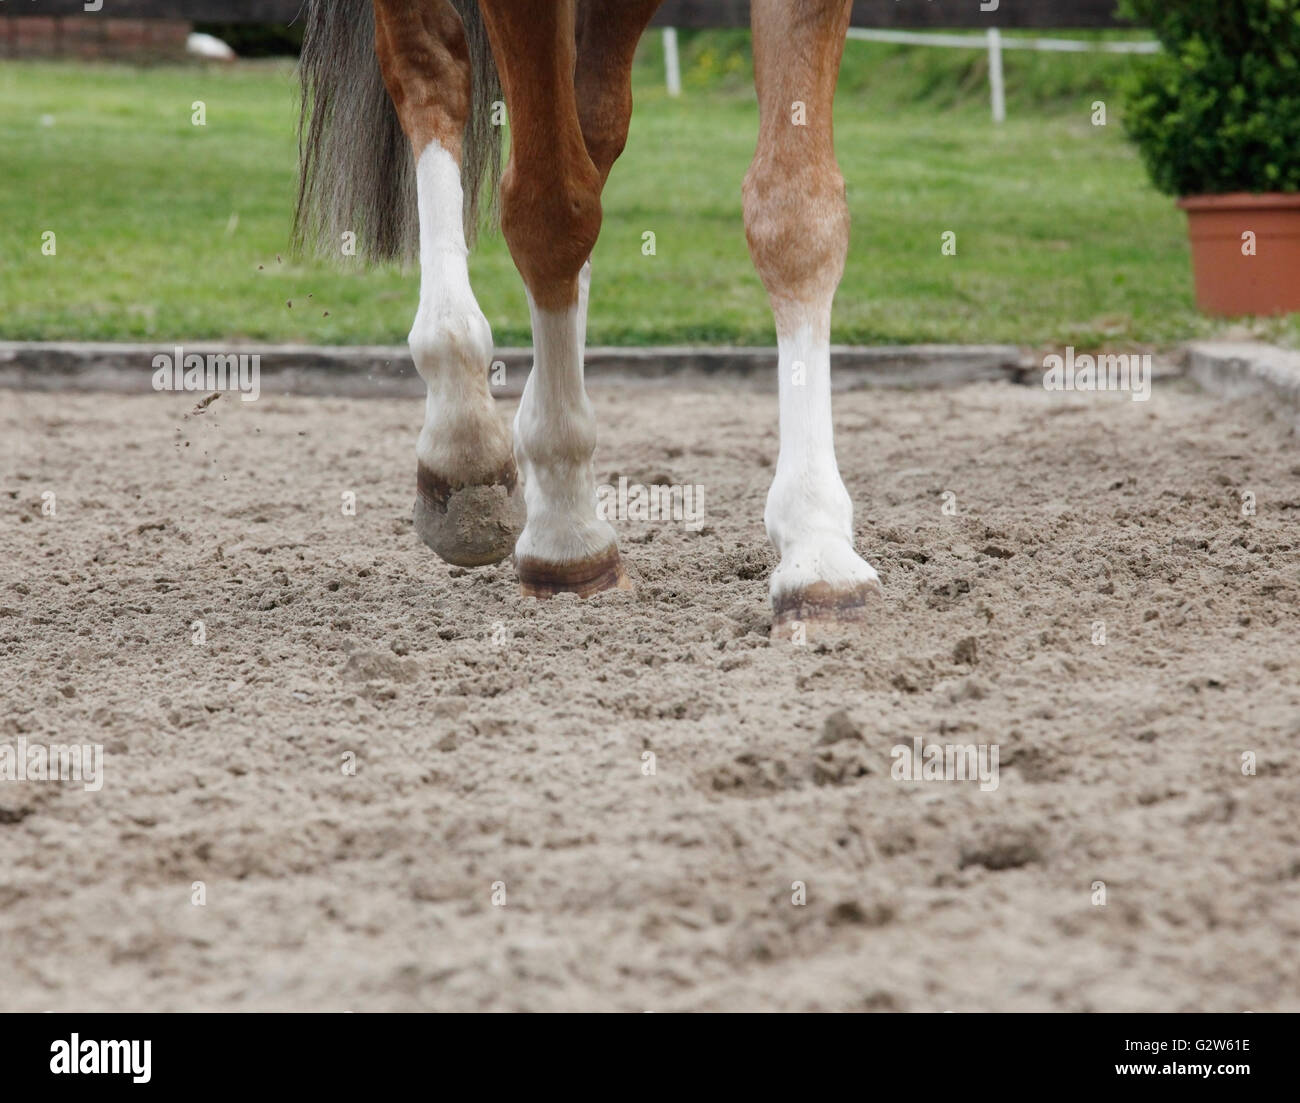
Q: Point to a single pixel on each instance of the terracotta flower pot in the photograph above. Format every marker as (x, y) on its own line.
(1235, 273)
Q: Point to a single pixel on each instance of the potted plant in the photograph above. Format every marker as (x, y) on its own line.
(1216, 115)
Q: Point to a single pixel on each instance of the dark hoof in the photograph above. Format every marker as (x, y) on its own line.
(822, 611)
(583, 577)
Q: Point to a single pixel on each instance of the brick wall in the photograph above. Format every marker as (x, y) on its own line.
(92, 36)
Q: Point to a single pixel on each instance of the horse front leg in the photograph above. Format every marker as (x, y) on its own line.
(550, 218)
(797, 224)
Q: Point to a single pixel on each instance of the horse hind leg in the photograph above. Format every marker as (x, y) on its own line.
(467, 507)
(796, 221)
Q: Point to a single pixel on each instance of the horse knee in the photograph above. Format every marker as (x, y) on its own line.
(797, 226)
(551, 224)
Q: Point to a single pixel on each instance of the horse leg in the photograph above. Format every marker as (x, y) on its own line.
(797, 223)
(466, 508)
(607, 35)
(550, 218)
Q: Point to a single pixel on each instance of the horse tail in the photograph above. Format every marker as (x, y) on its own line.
(355, 169)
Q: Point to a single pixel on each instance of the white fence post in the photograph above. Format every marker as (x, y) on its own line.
(672, 63)
(997, 82)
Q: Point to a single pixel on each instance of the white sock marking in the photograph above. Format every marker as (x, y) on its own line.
(555, 436)
(463, 439)
(809, 515)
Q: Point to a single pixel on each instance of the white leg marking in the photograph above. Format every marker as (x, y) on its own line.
(463, 439)
(809, 514)
(584, 297)
(555, 436)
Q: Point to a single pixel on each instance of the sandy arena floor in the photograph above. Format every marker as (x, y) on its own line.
(498, 740)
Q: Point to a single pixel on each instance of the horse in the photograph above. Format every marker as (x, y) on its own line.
(399, 147)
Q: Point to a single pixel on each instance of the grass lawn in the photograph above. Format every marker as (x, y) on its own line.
(167, 231)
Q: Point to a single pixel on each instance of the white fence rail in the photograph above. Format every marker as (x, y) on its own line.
(979, 41)
(991, 41)
(994, 42)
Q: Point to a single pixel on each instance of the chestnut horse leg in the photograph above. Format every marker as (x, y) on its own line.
(797, 223)
(466, 509)
(608, 32)
(550, 218)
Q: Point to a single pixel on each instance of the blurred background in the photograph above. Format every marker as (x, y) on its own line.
(172, 230)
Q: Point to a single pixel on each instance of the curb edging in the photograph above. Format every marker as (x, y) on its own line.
(379, 371)
(1234, 369)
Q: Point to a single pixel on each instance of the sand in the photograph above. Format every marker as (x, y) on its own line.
(500, 745)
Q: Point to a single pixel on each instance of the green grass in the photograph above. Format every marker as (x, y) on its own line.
(172, 232)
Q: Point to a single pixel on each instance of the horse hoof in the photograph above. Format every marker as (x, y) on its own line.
(820, 612)
(469, 526)
(584, 577)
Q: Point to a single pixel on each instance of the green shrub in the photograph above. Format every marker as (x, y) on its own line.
(1219, 109)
